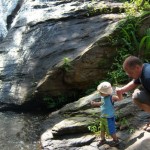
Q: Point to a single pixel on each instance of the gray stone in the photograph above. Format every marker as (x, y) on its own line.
(69, 130)
(32, 54)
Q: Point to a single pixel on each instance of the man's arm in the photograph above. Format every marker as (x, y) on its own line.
(130, 86)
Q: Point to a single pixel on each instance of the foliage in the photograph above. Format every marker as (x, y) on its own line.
(50, 102)
(131, 8)
(99, 8)
(123, 121)
(66, 64)
(55, 102)
(117, 75)
(95, 126)
(131, 130)
(134, 7)
(144, 45)
(131, 44)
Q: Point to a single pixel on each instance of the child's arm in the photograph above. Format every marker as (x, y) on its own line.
(117, 97)
(95, 104)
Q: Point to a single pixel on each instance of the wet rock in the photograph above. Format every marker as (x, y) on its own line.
(77, 116)
(72, 125)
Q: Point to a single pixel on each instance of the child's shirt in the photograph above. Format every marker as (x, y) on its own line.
(107, 107)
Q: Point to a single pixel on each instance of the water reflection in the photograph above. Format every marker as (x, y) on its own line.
(19, 131)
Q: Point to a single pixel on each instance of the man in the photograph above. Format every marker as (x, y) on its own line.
(140, 73)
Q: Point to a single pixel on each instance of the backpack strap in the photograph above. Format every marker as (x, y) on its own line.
(111, 100)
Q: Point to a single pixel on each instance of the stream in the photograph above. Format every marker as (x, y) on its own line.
(20, 131)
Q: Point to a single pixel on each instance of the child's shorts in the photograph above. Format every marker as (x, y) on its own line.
(108, 125)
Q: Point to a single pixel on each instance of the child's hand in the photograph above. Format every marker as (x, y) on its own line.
(95, 104)
(92, 103)
(119, 93)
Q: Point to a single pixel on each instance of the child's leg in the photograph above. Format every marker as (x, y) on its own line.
(102, 134)
(102, 129)
(111, 128)
(115, 141)
(114, 136)
(112, 131)
(103, 140)
(103, 122)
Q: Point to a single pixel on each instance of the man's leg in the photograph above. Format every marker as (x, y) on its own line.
(143, 106)
(142, 99)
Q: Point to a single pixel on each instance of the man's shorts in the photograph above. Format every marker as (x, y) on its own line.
(143, 96)
(108, 125)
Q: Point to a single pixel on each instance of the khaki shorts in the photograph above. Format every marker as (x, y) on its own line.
(143, 96)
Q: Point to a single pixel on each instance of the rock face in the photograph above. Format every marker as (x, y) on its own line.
(89, 51)
(42, 35)
(68, 127)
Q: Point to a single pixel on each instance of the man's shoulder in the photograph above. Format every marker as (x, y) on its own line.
(146, 66)
(146, 71)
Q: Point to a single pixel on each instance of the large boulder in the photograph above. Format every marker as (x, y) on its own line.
(56, 47)
(41, 36)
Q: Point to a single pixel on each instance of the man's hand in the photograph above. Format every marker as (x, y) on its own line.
(119, 91)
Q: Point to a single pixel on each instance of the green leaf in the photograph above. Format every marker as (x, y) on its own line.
(135, 40)
(142, 42)
(126, 35)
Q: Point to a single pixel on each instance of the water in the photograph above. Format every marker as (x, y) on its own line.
(20, 131)
(6, 8)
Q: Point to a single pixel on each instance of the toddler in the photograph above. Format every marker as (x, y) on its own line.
(107, 118)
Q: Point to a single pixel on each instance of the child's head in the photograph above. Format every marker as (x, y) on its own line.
(105, 88)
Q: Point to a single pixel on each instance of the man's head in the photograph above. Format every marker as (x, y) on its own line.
(133, 67)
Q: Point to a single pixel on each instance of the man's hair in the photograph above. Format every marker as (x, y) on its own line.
(132, 61)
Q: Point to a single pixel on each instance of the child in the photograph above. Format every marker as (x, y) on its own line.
(107, 121)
